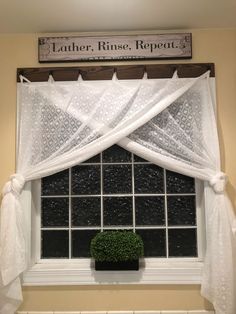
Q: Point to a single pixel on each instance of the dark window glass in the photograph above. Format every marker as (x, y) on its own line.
(55, 243)
(117, 211)
(149, 210)
(86, 180)
(116, 154)
(105, 193)
(117, 179)
(181, 210)
(139, 159)
(94, 159)
(148, 179)
(178, 183)
(81, 242)
(56, 184)
(182, 242)
(86, 211)
(55, 212)
(154, 241)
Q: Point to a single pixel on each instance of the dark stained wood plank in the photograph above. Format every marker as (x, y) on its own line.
(123, 72)
(97, 72)
(126, 72)
(183, 70)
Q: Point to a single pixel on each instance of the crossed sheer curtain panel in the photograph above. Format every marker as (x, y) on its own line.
(170, 122)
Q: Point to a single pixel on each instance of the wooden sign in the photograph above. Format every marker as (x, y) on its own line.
(142, 47)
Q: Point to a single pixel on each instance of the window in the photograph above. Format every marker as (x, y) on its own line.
(115, 190)
(118, 190)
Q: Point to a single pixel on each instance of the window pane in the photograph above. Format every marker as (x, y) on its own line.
(178, 183)
(149, 210)
(139, 159)
(117, 179)
(154, 241)
(182, 242)
(55, 212)
(56, 184)
(55, 244)
(86, 211)
(81, 242)
(86, 180)
(181, 210)
(112, 184)
(148, 179)
(94, 159)
(116, 154)
(117, 211)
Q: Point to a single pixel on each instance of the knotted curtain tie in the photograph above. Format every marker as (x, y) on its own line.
(15, 184)
(218, 182)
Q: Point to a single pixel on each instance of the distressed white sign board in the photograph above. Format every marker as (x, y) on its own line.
(162, 46)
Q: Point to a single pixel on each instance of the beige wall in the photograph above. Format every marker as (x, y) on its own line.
(218, 46)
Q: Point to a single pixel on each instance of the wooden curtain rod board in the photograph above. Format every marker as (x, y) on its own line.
(123, 72)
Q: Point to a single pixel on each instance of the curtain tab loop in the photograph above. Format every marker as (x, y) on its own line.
(114, 76)
(22, 79)
(145, 75)
(15, 184)
(50, 78)
(218, 182)
(80, 79)
(175, 74)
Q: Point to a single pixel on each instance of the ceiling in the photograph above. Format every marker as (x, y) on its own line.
(41, 16)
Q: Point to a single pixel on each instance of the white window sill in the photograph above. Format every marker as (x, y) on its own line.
(82, 273)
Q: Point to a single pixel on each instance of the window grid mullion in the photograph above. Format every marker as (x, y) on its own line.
(166, 214)
(70, 214)
(119, 227)
(115, 195)
(133, 192)
(101, 172)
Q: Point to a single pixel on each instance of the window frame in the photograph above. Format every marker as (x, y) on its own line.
(81, 271)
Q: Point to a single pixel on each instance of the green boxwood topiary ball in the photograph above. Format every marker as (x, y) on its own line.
(116, 246)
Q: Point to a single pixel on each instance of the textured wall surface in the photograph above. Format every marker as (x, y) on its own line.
(218, 46)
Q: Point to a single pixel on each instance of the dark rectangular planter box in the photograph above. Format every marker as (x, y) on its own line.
(127, 265)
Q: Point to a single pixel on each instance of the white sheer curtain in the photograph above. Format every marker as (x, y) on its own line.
(169, 122)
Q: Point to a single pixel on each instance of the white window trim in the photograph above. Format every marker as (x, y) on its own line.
(81, 272)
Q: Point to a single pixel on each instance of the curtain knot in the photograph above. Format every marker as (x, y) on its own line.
(15, 184)
(218, 182)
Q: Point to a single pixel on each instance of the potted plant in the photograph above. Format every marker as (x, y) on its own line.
(116, 250)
